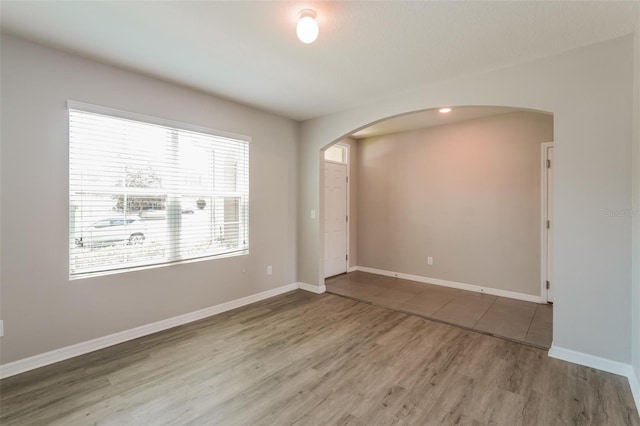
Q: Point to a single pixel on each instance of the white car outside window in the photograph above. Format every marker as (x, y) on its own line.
(112, 230)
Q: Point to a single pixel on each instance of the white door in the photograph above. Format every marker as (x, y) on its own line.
(335, 218)
(550, 224)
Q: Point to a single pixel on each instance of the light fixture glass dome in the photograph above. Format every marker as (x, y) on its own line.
(307, 28)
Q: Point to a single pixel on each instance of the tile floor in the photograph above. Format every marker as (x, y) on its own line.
(512, 319)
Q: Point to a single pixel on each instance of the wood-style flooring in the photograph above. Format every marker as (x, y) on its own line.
(518, 320)
(308, 359)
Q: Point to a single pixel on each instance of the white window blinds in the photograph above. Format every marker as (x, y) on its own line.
(142, 193)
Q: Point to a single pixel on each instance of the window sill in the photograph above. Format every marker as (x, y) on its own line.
(83, 275)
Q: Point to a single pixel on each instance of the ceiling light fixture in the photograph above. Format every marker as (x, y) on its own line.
(445, 110)
(307, 28)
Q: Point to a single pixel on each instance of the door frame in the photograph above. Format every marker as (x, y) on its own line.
(348, 183)
(544, 231)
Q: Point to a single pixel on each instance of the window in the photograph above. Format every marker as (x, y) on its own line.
(336, 153)
(145, 191)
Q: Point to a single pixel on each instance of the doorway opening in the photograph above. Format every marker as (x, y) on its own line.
(457, 205)
(336, 209)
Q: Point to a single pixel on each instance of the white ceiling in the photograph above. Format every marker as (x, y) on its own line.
(366, 51)
(430, 118)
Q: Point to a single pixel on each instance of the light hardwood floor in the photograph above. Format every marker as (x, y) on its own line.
(308, 359)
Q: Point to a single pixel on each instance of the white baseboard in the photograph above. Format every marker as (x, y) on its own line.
(318, 289)
(635, 389)
(574, 357)
(56, 355)
(453, 284)
(598, 363)
(592, 361)
(352, 268)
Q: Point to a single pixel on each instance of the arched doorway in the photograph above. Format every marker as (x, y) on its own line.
(453, 200)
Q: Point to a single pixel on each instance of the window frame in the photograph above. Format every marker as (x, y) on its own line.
(344, 148)
(146, 119)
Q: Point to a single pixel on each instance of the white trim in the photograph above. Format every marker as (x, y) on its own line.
(544, 193)
(635, 389)
(453, 284)
(127, 115)
(598, 363)
(592, 361)
(312, 288)
(56, 355)
(348, 154)
(352, 268)
(83, 275)
(334, 162)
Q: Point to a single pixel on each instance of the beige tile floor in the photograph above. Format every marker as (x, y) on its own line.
(512, 319)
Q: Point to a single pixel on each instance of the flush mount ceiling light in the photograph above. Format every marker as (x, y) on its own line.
(307, 28)
(445, 110)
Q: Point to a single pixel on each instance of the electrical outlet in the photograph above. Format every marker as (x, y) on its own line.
(313, 214)
(269, 270)
(1, 328)
(429, 260)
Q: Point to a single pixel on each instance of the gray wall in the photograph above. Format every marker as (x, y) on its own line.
(42, 310)
(466, 194)
(589, 91)
(635, 296)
